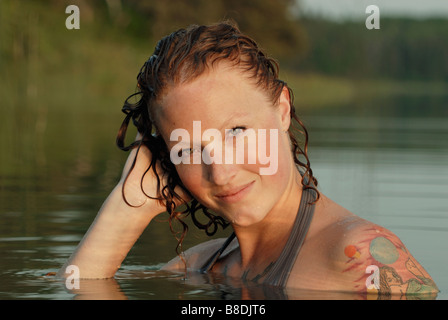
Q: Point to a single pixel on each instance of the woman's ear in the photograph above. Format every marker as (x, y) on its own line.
(284, 107)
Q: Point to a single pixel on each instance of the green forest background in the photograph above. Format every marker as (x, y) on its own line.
(61, 94)
(61, 90)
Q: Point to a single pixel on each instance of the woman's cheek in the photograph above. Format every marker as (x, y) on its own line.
(191, 177)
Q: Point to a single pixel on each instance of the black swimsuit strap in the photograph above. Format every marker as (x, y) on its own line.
(279, 273)
(210, 262)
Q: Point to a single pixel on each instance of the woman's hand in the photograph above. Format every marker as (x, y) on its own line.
(136, 190)
(118, 225)
(137, 182)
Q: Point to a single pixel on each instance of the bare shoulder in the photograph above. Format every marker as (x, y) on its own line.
(374, 259)
(198, 255)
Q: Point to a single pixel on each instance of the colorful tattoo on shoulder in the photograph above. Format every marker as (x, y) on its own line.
(395, 271)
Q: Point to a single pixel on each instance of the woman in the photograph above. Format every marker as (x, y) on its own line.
(210, 109)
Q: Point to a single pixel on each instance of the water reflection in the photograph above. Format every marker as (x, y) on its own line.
(162, 285)
(385, 160)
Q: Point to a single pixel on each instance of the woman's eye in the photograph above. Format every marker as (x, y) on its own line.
(186, 152)
(236, 131)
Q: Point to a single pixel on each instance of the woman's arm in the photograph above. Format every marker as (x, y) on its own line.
(375, 261)
(117, 225)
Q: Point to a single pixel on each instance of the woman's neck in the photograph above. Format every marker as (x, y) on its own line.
(269, 236)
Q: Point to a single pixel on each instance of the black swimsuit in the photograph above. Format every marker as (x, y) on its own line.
(279, 273)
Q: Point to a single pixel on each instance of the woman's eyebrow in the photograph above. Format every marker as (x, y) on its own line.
(229, 123)
(232, 118)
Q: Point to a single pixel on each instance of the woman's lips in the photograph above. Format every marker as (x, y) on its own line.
(235, 194)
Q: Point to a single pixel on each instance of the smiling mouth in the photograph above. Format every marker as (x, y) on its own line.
(235, 194)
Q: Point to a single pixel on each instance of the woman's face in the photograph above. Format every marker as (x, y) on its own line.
(227, 106)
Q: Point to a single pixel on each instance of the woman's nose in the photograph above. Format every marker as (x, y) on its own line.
(221, 174)
(219, 162)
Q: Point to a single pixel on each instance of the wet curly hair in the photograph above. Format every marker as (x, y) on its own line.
(181, 57)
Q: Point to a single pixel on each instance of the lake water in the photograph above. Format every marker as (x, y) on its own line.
(386, 162)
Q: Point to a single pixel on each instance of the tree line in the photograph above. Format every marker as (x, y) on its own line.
(401, 49)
